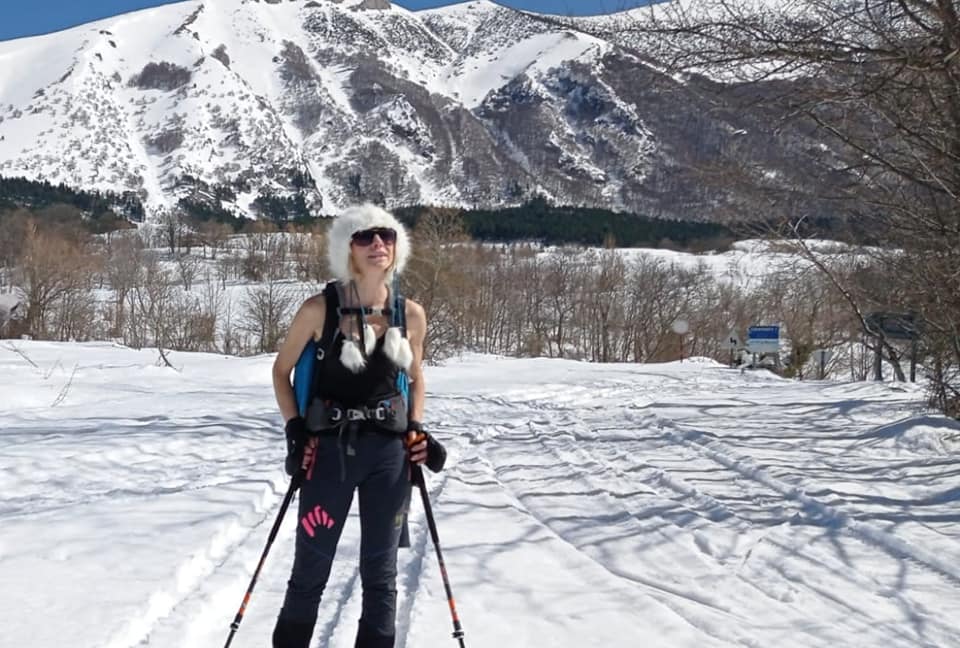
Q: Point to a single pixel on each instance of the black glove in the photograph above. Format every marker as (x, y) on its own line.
(436, 453)
(297, 435)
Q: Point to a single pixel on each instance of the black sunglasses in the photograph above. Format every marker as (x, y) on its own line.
(364, 238)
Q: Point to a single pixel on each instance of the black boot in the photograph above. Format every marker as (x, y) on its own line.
(292, 634)
(367, 640)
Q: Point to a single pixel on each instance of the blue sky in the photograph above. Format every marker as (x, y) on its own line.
(26, 18)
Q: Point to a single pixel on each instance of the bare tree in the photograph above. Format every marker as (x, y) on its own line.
(437, 279)
(51, 266)
(188, 266)
(309, 251)
(149, 300)
(121, 268)
(266, 309)
(172, 227)
(562, 286)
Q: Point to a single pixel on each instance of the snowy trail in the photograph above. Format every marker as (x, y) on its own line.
(763, 509)
(665, 505)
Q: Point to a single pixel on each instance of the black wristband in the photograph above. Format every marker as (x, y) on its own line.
(296, 433)
(415, 426)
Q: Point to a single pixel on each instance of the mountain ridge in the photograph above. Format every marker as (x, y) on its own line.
(469, 105)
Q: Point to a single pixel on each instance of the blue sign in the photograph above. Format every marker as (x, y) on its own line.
(764, 333)
(763, 339)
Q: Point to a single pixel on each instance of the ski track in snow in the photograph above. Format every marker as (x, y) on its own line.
(192, 575)
(164, 626)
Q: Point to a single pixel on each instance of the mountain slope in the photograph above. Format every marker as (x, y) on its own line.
(346, 100)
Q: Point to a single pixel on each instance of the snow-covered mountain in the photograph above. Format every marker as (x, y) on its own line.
(472, 104)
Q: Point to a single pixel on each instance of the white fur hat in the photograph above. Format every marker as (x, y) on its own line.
(356, 219)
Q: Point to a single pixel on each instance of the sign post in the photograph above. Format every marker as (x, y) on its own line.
(681, 327)
(823, 356)
(894, 326)
(732, 344)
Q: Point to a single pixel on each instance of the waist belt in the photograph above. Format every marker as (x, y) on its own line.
(388, 413)
(324, 416)
(339, 414)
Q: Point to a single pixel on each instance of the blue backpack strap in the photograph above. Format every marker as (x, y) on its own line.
(308, 364)
(303, 376)
(398, 318)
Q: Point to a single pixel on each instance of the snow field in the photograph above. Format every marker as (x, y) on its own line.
(583, 505)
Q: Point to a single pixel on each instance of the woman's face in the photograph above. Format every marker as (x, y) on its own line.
(373, 250)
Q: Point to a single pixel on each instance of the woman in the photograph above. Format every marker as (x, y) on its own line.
(359, 433)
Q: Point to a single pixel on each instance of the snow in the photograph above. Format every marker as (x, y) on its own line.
(473, 78)
(681, 505)
(746, 265)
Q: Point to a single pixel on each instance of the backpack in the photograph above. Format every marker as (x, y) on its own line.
(304, 372)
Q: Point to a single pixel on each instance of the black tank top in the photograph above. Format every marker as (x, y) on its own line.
(377, 381)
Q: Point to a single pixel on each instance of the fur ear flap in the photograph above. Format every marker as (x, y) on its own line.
(351, 358)
(397, 348)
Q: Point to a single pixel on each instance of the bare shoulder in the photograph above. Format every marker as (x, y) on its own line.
(307, 323)
(415, 312)
(310, 317)
(314, 309)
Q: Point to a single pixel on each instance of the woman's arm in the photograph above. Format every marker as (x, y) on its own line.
(307, 321)
(416, 333)
(423, 448)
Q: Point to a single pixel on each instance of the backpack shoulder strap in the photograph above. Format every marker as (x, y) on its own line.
(306, 370)
(331, 322)
(331, 326)
(398, 318)
(400, 305)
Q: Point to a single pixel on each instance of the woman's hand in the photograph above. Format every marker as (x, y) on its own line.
(301, 446)
(417, 447)
(423, 448)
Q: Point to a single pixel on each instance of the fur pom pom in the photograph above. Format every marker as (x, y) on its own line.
(369, 339)
(351, 358)
(397, 348)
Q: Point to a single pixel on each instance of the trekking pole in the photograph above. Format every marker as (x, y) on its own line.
(295, 482)
(419, 480)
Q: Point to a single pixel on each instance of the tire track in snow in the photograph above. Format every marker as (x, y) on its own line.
(814, 510)
(818, 514)
(548, 435)
(661, 592)
(791, 514)
(791, 510)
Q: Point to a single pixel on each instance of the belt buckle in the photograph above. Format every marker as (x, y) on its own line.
(355, 415)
